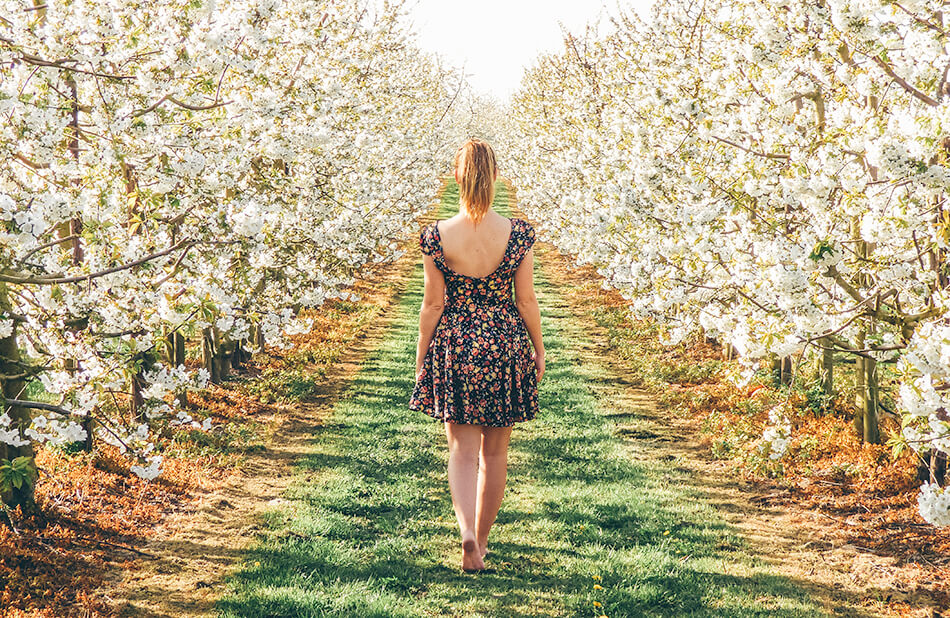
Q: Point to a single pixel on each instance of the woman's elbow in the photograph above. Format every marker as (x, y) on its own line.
(527, 302)
(433, 306)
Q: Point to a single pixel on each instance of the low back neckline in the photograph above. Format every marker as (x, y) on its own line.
(504, 257)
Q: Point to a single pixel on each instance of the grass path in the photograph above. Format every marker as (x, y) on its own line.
(589, 518)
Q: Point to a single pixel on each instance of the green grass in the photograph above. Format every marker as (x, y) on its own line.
(368, 529)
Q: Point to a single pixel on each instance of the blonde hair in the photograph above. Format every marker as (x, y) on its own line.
(475, 167)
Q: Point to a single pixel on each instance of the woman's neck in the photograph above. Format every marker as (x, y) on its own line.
(465, 212)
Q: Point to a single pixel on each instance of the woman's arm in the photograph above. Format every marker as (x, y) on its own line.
(527, 303)
(433, 302)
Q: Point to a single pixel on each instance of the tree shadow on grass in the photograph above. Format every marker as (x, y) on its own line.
(387, 480)
(391, 585)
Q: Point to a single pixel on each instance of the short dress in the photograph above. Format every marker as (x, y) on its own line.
(478, 368)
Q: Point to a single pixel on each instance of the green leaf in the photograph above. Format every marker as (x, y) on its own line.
(898, 445)
(27, 465)
(821, 249)
(17, 473)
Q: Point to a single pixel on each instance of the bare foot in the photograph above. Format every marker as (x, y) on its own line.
(471, 556)
(483, 550)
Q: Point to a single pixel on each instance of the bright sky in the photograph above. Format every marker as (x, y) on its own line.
(496, 40)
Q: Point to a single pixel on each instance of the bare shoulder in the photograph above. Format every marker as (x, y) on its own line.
(449, 223)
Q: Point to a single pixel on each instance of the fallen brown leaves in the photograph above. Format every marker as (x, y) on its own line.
(93, 515)
(868, 491)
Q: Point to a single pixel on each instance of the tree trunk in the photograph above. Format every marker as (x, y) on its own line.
(136, 400)
(88, 424)
(933, 469)
(872, 431)
(73, 227)
(222, 349)
(827, 376)
(782, 370)
(240, 355)
(258, 337)
(866, 383)
(938, 467)
(178, 360)
(168, 346)
(860, 392)
(866, 396)
(20, 417)
(207, 355)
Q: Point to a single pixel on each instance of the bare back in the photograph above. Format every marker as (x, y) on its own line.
(475, 251)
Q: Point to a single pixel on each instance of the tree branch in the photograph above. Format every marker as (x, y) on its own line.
(767, 155)
(900, 80)
(38, 405)
(50, 280)
(171, 99)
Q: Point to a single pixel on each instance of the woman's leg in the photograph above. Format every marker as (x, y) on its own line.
(464, 442)
(492, 475)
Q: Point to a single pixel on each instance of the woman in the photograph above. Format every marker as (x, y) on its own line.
(475, 369)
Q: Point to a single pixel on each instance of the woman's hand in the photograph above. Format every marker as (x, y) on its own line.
(418, 371)
(538, 363)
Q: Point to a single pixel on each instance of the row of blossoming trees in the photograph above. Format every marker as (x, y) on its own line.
(774, 174)
(189, 171)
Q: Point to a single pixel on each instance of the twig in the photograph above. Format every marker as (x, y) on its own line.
(126, 548)
(39, 405)
(900, 80)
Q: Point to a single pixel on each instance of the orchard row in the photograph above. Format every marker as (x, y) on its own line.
(190, 173)
(774, 175)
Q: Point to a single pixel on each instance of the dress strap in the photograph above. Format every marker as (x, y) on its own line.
(431, 244)
(523, 237)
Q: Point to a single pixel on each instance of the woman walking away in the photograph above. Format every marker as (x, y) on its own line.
(475, 369)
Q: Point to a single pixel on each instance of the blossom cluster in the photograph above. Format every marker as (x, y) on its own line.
(776, 435)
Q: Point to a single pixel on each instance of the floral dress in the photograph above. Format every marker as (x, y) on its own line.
(478, 368)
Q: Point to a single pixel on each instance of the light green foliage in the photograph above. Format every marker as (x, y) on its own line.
(16, 474)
